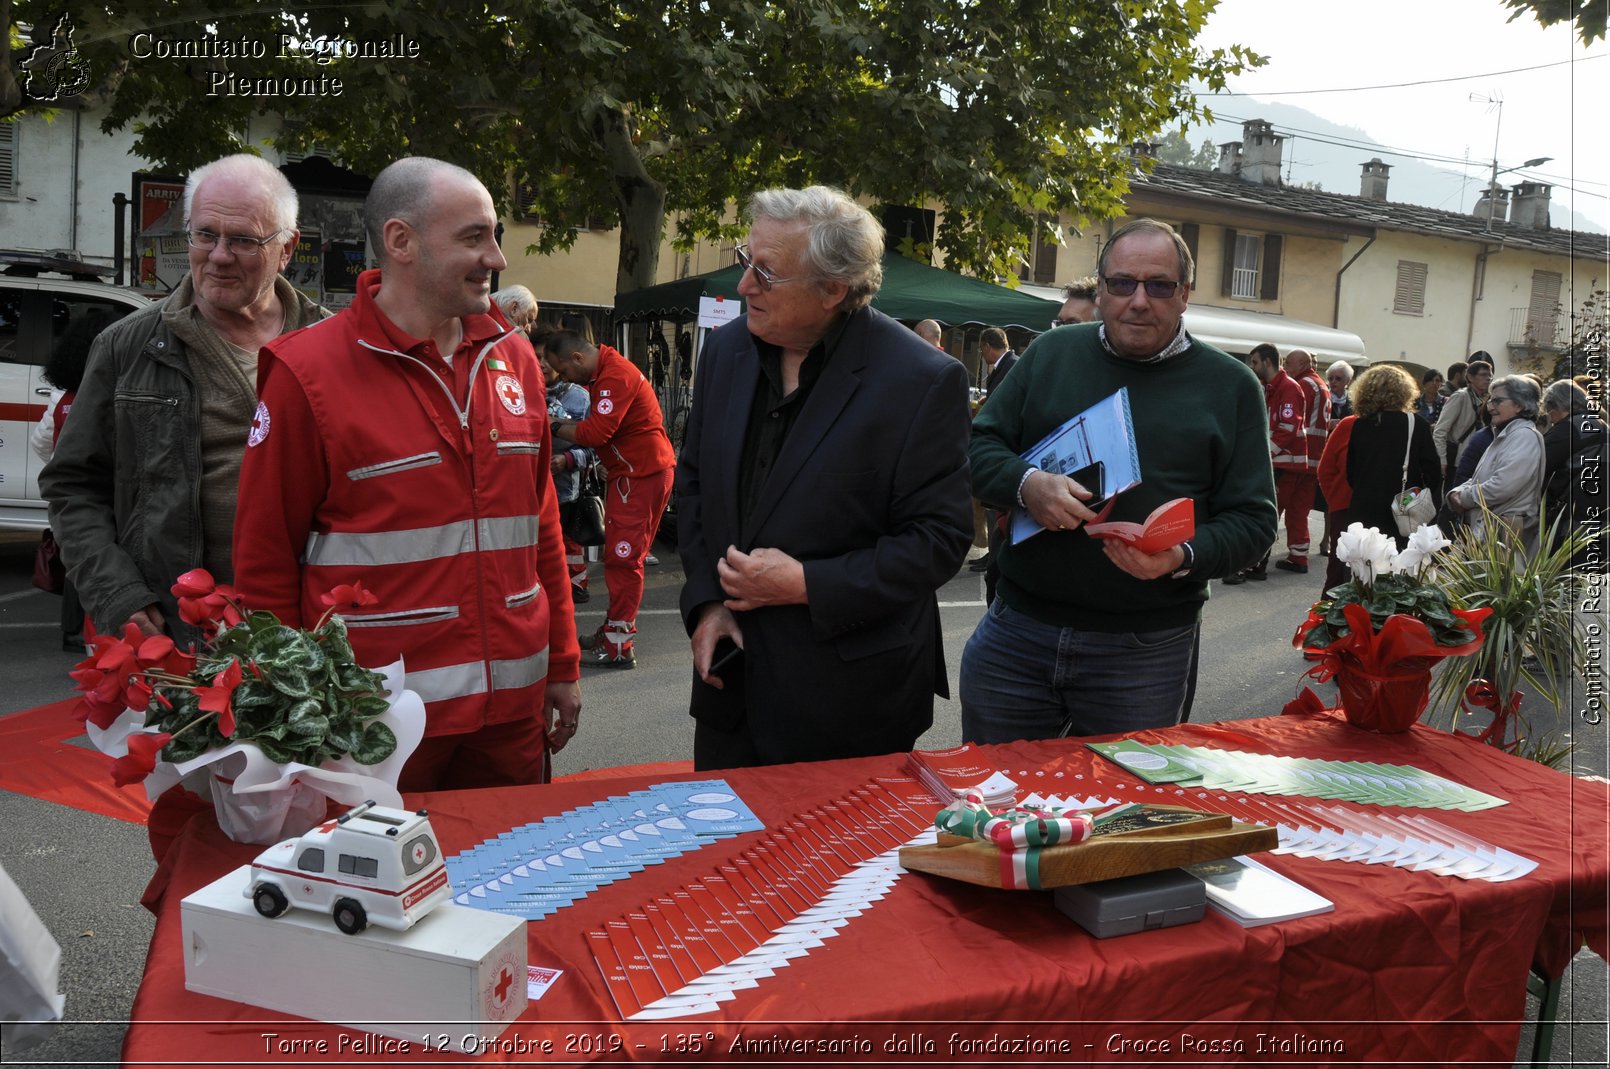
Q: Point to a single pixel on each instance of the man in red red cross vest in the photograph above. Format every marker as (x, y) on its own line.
(1288, 452)
(405, 445)
(625, 428)
(1316, 426)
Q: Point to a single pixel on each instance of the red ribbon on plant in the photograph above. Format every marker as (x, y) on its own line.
(1403, 644)
(1484, 695)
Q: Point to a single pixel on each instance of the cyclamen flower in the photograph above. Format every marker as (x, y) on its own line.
(348, 596)
(1367, 552)
(1424, 544)
(215, 697)
(204, 604)
(141, 759)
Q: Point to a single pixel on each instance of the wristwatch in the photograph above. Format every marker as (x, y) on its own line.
(1184, 570)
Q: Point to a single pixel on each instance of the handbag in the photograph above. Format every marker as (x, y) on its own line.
(582, 520)
(50, 575)
(1413, 506)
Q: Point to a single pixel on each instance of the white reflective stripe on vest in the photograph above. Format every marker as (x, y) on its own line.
(522, 672)
(466, 680)
(357, 549)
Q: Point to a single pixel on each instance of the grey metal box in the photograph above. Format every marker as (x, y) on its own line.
(1134, 903)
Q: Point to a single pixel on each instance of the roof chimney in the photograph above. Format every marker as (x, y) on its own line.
(1530, 206)
(1372, 184)
(1260, 152)
(1492, 204)
(1139, 150)
(1230, 157)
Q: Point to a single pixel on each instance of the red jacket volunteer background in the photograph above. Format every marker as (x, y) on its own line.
(625, 425)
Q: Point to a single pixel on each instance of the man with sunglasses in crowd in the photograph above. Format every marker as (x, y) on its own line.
(1090, 636)
(822, 499)
(142, 485)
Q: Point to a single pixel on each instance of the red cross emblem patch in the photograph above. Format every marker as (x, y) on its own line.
(509, 392)
(260, 422)
(605, 406)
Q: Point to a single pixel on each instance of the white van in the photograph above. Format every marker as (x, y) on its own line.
(371, 864)
(40, 295)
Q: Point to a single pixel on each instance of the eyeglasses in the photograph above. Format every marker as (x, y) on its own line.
(1156, 288)
(766, 279)
(237, 244)
(1499, 400)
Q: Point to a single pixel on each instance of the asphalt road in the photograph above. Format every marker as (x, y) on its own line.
(84, 873)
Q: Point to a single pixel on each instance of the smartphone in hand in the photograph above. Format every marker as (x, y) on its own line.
(727, 658)
(1092, 477)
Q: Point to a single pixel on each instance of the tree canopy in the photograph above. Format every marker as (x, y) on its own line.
(1002, 115)
(1589, 15)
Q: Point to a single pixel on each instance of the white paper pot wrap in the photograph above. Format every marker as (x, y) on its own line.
(269, 786)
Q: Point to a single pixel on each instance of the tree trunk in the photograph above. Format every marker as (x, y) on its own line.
(642, 204)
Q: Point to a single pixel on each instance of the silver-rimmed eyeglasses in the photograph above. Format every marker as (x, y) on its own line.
(237, 244)
(766, 279)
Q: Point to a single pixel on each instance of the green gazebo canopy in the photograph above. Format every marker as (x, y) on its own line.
(911, 291)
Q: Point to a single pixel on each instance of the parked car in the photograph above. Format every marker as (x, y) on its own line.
(39, 296)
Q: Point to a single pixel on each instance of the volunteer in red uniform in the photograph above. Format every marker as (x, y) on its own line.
(1288, 451)
(1305, 490)
(625, 428)
(405, 445)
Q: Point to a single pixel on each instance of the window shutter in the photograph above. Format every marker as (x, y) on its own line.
(1227, 277)
(1045, 260)
(1191, 234)
(1409, 297)
(1269, 283)
(1543, 311)
(8, 159)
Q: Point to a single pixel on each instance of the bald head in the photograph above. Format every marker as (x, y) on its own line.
(1298, 363)
(403, 191)
(928, 330)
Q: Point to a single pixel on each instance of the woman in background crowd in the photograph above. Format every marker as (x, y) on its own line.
(1363, 459)
(1509, 478)
(1429, 406)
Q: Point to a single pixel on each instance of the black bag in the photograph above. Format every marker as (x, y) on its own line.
(583, 520)
(50, 575)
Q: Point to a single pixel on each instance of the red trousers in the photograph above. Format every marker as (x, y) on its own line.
(1294, 497)
(632, 511)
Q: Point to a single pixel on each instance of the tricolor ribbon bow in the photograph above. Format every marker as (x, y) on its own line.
(1019, 834)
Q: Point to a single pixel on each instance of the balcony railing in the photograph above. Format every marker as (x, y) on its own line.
(1529, 331)
(1244, 283)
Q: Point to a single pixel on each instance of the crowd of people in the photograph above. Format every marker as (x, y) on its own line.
(445, 446)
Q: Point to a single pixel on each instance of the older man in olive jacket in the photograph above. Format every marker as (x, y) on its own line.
(142, 485)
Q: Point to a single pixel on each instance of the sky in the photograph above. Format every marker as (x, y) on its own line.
(1558, 111)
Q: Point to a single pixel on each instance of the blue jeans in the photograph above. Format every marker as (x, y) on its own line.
(1022, 679)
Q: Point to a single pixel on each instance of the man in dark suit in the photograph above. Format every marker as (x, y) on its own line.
(822, 499)
(997, 353)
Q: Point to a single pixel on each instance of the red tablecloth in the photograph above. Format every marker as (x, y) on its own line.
(1410, 967)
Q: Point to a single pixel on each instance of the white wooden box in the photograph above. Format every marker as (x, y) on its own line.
(458, 973)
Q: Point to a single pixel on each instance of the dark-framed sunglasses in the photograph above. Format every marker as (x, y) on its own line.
(1156, 288)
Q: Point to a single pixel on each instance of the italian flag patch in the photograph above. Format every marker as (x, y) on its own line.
(496, 365)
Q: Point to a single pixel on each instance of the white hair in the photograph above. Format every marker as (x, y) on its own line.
(844, 243)
(255, 169)
(1344, 367)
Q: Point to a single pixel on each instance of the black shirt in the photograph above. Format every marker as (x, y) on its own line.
(774, 414)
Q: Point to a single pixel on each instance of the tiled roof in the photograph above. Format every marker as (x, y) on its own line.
(1356, 211)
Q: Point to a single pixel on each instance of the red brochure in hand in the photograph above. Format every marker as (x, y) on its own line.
(1169, 524)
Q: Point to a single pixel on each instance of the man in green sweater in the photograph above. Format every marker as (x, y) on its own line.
(1089, 636)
